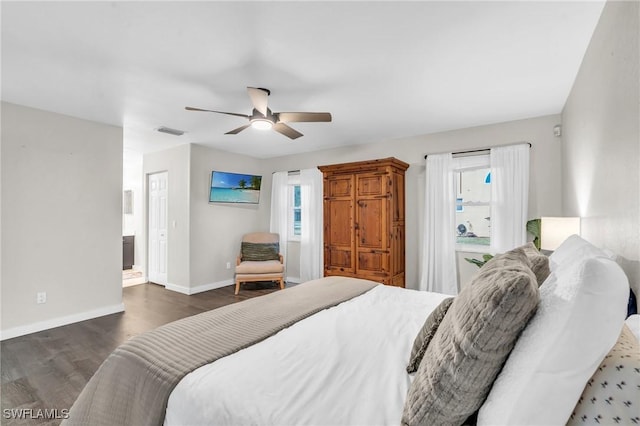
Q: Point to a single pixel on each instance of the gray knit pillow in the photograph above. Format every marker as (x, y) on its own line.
(473, 342)
(539, 262)
(426, 334)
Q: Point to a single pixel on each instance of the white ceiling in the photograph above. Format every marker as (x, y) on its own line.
(383, 69)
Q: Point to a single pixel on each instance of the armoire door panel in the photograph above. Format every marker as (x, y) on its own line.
(338, 220)
(370, 184)
(339, 186)
(371, 226)
(339, 258)
(372, 262)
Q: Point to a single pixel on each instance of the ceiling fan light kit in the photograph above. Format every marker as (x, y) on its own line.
(263, 118)
(261, 124)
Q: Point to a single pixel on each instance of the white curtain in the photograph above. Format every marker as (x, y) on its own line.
(279, 212)
(439, 242)
(311, 250)
(509, 196)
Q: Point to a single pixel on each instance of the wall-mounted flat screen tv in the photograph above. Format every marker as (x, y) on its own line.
(234, 188)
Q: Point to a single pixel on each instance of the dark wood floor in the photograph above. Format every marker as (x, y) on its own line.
(47, 370)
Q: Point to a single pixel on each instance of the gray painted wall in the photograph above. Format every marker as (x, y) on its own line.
(176, 162)
(601, 141)
(61, 219)
(217, 228)
(206, 235)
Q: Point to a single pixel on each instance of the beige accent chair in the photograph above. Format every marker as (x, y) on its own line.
(259, 270)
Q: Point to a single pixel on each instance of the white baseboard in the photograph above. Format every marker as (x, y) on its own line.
(59, 322)
(212, 286)
(198, 289)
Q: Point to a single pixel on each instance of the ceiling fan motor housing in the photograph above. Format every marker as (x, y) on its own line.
(257, 115)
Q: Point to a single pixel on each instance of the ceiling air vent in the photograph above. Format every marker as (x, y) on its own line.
(170, 131)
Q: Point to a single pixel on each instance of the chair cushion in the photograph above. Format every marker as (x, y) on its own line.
(260, 251)
(472, 342)
(261, 237)
(266, 267)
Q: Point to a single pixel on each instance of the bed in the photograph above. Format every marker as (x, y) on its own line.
(528, 332)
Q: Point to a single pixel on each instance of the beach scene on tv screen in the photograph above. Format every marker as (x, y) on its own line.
(234, 188)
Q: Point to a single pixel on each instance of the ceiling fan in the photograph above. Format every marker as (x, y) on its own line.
(263, 118)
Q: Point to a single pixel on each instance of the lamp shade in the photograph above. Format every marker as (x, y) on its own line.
(554, 230)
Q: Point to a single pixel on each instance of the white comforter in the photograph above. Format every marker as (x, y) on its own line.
(342, 366)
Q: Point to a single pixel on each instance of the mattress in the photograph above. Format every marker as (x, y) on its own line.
(342, 366)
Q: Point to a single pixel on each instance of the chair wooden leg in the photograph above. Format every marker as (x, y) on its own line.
(237, 287)
(281, 283)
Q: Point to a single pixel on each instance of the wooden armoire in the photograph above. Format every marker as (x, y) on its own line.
(364, 220)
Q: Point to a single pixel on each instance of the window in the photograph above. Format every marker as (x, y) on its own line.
(473, 202)
(295, 210)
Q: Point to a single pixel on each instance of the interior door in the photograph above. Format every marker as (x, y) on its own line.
(158, 224)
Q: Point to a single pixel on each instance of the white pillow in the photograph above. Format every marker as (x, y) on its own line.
(581, 312)
(573, 249)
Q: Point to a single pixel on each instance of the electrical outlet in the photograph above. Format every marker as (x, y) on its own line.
(228, 265)
(41, 297)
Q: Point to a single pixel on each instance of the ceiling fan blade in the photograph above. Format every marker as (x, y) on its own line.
(238, 130)
(219, 112)
(289, 132)
(292, 117)
(259, 99)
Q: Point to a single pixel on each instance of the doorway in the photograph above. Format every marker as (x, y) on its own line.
(133, 219)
